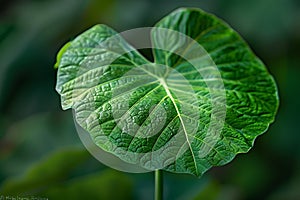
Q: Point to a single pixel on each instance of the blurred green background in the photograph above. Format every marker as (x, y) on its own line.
(41, 154)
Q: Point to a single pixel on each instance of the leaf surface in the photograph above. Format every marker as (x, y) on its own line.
(204, 99)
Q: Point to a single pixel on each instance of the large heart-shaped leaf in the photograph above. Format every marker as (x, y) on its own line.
(204, 99)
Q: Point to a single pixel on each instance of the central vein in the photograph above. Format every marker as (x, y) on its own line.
(164, 84)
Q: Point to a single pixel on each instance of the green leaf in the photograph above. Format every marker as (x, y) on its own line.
(101, 185)
(60, 176)
(45, 173)
(204, 99)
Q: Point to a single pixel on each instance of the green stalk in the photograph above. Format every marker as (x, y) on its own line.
(158, 184)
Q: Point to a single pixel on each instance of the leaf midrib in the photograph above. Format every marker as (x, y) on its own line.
(165, 86)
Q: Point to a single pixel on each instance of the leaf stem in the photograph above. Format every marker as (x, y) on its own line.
(158, 184)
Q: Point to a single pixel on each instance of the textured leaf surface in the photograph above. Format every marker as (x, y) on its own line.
(159, 115)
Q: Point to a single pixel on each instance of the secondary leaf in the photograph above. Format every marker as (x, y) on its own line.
(57, 177)
(46, 173)
(204, 99)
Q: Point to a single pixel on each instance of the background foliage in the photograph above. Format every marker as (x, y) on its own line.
(40, 152)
